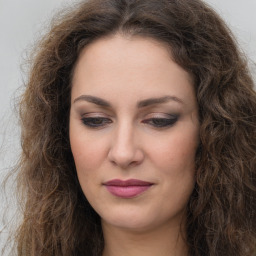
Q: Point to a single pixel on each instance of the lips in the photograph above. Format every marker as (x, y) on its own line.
(127, 188)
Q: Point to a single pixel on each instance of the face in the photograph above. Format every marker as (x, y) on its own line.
(133, 132)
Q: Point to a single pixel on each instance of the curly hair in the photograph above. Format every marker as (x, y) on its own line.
(221, 214)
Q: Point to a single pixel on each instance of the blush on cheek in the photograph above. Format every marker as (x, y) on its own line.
(82, 150)
(177, 160)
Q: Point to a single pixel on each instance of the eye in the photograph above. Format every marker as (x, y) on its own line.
(95, 122)
(161, 122)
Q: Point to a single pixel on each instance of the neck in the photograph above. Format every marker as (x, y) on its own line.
(163, 241)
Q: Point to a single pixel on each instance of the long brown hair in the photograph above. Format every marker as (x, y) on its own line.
(221, 216)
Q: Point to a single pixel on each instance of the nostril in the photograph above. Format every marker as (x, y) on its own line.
(125, 150)
(124, 158)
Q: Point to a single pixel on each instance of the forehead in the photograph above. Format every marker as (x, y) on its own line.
(133, 66)
(126, 46)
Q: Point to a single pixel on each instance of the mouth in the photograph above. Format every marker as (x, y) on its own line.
(127, 188)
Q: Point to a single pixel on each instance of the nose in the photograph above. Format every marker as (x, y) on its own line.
(124, 150)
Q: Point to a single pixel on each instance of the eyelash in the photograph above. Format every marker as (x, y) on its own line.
(161, 122)
(93, 122)
(98, 122)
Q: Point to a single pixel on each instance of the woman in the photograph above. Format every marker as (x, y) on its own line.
(138, 135)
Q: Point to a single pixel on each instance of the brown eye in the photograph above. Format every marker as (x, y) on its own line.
(95, 122)
(161, 122)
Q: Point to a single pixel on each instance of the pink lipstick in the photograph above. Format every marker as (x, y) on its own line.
(127, 188)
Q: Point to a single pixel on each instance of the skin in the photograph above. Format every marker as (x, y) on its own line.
(130, 140)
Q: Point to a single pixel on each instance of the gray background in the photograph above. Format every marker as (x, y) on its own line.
(21, 24)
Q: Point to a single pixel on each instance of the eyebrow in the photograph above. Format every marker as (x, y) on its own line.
(94, 100)
(140, 104)
(153, 101)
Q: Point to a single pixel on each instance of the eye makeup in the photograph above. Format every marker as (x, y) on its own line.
(161, 122)
(96, 122)
(154, 120)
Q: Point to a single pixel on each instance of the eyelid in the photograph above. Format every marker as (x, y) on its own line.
(161, 115)
(96, 122)
(95, 114)
(156, 120)
(160, 122)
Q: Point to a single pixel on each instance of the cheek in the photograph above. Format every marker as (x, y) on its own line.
(87, 151)
(88, 158)
(175, 154)
(83, 156)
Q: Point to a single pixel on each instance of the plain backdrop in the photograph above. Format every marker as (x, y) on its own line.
(21, 24)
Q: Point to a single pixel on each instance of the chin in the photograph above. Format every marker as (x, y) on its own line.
(134, 220)
(126, 218)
